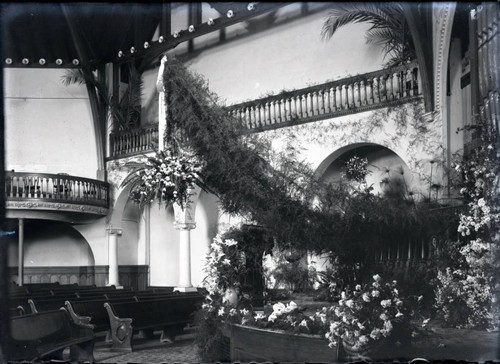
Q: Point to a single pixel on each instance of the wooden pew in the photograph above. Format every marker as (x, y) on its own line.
(45, 335)
(169, 314)
(93, 313)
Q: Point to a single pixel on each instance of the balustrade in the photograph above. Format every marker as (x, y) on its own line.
(134, 141)
(354, 94)
(56, 188)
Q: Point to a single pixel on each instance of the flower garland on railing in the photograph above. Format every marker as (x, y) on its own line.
(166, 177)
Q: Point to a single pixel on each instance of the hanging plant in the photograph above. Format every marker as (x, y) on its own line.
(166, 177)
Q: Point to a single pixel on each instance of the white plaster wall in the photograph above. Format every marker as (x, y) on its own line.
(164, 269)
(48, 126)
(202, 236)
(50, 244)
(97, 237)
(287, 56)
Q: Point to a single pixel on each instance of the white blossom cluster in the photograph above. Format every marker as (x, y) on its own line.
(166, 177)
(222, 265)
(364, 315)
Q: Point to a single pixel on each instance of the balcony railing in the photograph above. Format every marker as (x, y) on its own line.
(337, 98)
(130, 142)
(56, 188)
(351, 95)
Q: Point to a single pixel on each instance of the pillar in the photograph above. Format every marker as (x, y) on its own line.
(185, 284)
(20, 257)
(113, 234)
(147, 235)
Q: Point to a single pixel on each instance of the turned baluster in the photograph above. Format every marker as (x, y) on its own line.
(313, 97)
(334, 98)
(303, 104)
(255, 116)
(358, 88)
(341, 94)
(390, 93)
(352, 95)
(322, 110)
(299, 111)
(362, 91)
(278, 116)
(346, 96)
(327, 108)
(258, 116)
(248, 112)
(289, 114)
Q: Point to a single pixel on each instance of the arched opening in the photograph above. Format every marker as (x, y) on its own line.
(386, 170)
(53, 252)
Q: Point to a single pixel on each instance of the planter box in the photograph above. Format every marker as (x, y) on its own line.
(253, 344)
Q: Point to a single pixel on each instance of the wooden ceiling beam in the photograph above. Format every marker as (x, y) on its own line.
(157, 48)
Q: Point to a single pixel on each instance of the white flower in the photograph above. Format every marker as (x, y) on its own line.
(375, 293)
(278, 308)
(385, 303)
(260, 316)
(272, 317)
(377, 278)
(290, 307)
(366, 297)
(349, 303)
(363, 340)
(384, 317)
(221, 311)
(399, 314)
(303, 323)
(358, 287)
(375, 334)
(232, 312)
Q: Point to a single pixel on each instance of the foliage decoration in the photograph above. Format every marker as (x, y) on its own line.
(468, 293)
(165, 177)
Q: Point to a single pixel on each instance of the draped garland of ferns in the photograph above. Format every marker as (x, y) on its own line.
(235, 170)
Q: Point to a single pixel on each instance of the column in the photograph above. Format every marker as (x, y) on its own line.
(147, 236)
(185, 256)
(20, 257)
(113, 234)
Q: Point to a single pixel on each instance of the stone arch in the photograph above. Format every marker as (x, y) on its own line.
(384, 165)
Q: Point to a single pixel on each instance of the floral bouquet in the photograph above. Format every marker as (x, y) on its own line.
(224, 266)
(166, 177)
(365, 315)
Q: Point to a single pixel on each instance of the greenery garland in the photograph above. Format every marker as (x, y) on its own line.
(349, 226)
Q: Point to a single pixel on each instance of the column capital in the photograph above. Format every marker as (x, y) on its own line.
(112, 230)
(184, 225)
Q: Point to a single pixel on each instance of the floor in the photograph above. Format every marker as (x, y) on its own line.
(183, 350)
(469, 345)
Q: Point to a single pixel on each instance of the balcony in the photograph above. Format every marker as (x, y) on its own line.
(58, 197)
(369, 91)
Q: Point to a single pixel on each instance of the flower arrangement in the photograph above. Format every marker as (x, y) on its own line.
(224, 266)
(166, 177)
(468, 291)
(364, 315)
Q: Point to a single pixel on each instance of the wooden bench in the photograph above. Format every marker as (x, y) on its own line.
(169, 314)
(45, 335)
(93, 313)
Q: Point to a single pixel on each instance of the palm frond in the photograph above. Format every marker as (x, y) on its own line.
(375, 14)
(73, 76)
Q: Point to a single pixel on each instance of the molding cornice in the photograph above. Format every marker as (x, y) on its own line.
(55, 206)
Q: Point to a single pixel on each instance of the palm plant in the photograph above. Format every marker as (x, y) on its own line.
(124, 113)
(388, 30)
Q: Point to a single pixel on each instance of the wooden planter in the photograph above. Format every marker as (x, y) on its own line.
(253, 344)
